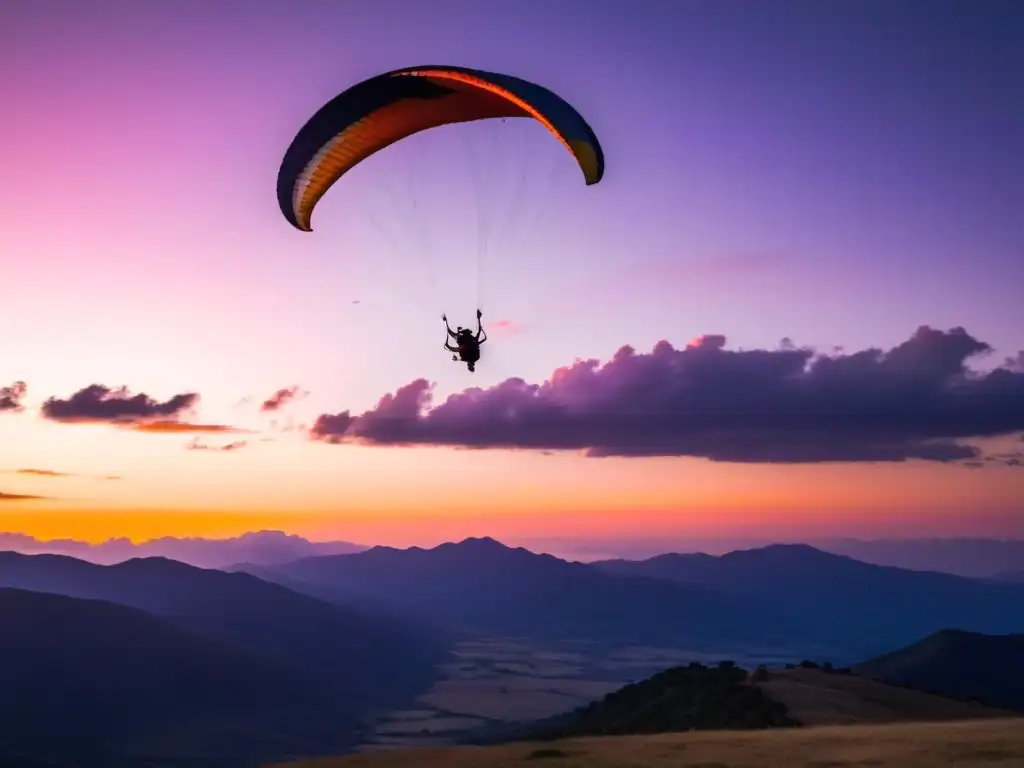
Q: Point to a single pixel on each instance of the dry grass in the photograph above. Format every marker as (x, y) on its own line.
(966, 744)
(814, 697)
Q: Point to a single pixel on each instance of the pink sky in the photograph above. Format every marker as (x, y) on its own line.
(144, 248)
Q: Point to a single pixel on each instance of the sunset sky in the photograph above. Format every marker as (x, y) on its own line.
(837, 174)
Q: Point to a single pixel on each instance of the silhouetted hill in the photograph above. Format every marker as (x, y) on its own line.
(678, 699)
(87, 683)
(855, 604)
(974, 558)
(483, 585)
(369, 656)
(257, 547)
(966, 665)
(701, 697)
(1011, 577)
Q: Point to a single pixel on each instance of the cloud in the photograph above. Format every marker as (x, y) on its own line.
(99, 404)
(179, 427)
(41, 473)
(281, 398)
(20, 497)
(334, 427)
(918, 400)
(196, 445)
(11, 396)
(33, 472)
(504, 328)
(1005, 459)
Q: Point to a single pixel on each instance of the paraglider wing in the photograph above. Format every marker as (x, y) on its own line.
(387, 108)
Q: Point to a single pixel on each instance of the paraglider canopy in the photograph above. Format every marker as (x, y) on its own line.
(387, 108)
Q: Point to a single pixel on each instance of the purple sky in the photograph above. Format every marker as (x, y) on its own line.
(837, 173)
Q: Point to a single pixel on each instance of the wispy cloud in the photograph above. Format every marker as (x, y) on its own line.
(184, 427)
(21, 497)
(197, 445)
(504, 328)
(35, 472)
(281, 398)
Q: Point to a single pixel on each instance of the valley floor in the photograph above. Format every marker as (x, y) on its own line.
(501, 681)
(966, 744)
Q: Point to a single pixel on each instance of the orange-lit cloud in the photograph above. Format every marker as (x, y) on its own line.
(20, 497)
(35, 472)
(504, 328)
(708, 341)
(183, 427)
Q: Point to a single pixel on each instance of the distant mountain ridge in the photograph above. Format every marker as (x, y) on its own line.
(257, 547)
(851, 597)
(481, 585)
(974, 557)
(780, 596)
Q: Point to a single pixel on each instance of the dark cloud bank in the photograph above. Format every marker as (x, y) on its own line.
(918, 400)
(99, 404)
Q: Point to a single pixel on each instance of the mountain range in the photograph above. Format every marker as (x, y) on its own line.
(293, 657)
(977, 557)
(783, 597)
(374, 659)
(974, 557)
(482, 586)
(852, 602)
(261, 547)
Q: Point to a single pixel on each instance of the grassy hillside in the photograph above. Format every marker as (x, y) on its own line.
(966, 665)
(817, 697)
(87, 683)
(678, 699)
(972, 744)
